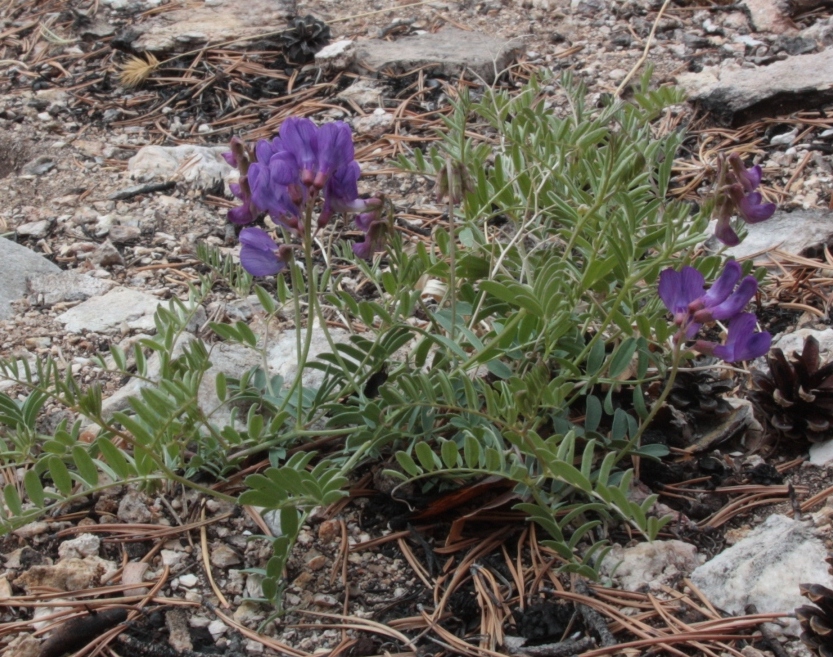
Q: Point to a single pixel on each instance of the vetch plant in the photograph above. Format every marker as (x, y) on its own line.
(543, 298)
(736, 195)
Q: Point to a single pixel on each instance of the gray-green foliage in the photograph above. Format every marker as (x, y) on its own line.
(551, 303)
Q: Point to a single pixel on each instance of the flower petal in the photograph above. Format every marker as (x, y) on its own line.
(257, 239)
(753, 211)
(724, 232)
(260, 263)
(723, 286)
(731, 306)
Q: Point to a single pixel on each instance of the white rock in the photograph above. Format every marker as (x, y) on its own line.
(787, 231)
(793, 342)
(338, 55)
(86, 545)
(217, 628)
(765, 568)
(188, 580)
(375, 124)
(35, 229)
(109, 311)
(821, 453)
(203, 166)
(17, 266)
(650, 564)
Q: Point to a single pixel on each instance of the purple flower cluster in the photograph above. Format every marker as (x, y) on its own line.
(685, 296)
(286, 176)
(736, 195)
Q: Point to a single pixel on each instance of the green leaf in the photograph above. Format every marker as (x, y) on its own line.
(85, 466)
(34, 488)
(12, 498)
(425, 456)
(622, 357)
(449, 454)
(115, 458)
(60, 475)
(571, 475)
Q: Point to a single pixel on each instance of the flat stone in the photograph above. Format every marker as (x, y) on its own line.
(364, 92)
(18, 265)
(375, 124)
(66, 286)
(120, 306)
(794, 341)
(206, 24)
(124, 234)
(202, 166)
(770, 15)
(793, 232)
(85, 545)
(735, 95)
(449, 52)
(821, 453)
(650, 564)
(336, 56)
(223, 556)
(765, 568)
(35, 229)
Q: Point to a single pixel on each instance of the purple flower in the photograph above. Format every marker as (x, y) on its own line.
(239, 157)
(683, 293)
(334, 149)
(678, 290)
(300, 137)
(750, 205)
(273, 197)
(742, 343)
(375, 229)
(750, 178)
(259, 255)
(732, 305)
(341, 193)
(736, 195)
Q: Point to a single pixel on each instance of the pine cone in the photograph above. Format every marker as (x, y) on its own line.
(305, 37)
(817, 621)
(796, 398)
(700, 393)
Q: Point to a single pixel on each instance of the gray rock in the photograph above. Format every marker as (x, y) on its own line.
(39, 166)
(66, 286)
(18, 265)
(364, 92)
(336, 56)
(201, 24)
(35, 229)
(769, 15)
(765, 568)
(222, 556)
(795, 342)
(202, 166)
(793, 232)
(737, 95)
(134, 508)
(375, 124)
(650, 564)
(449, 51)
(821, 453)
(106, 255)
(124, 234)
(109, 312)
(821, 31)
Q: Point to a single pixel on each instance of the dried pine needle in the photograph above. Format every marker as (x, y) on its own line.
(136, 70)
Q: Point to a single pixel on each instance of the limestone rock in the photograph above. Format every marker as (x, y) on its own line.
(765, 568)
(109, 311)
(85, 545)
(66, 286)
(210, 23)
(735, 94)
(18, 265)
(792, 232)
(769, 15)
(67, 575)
(202, 166)
(650, 564)
(449, 51)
